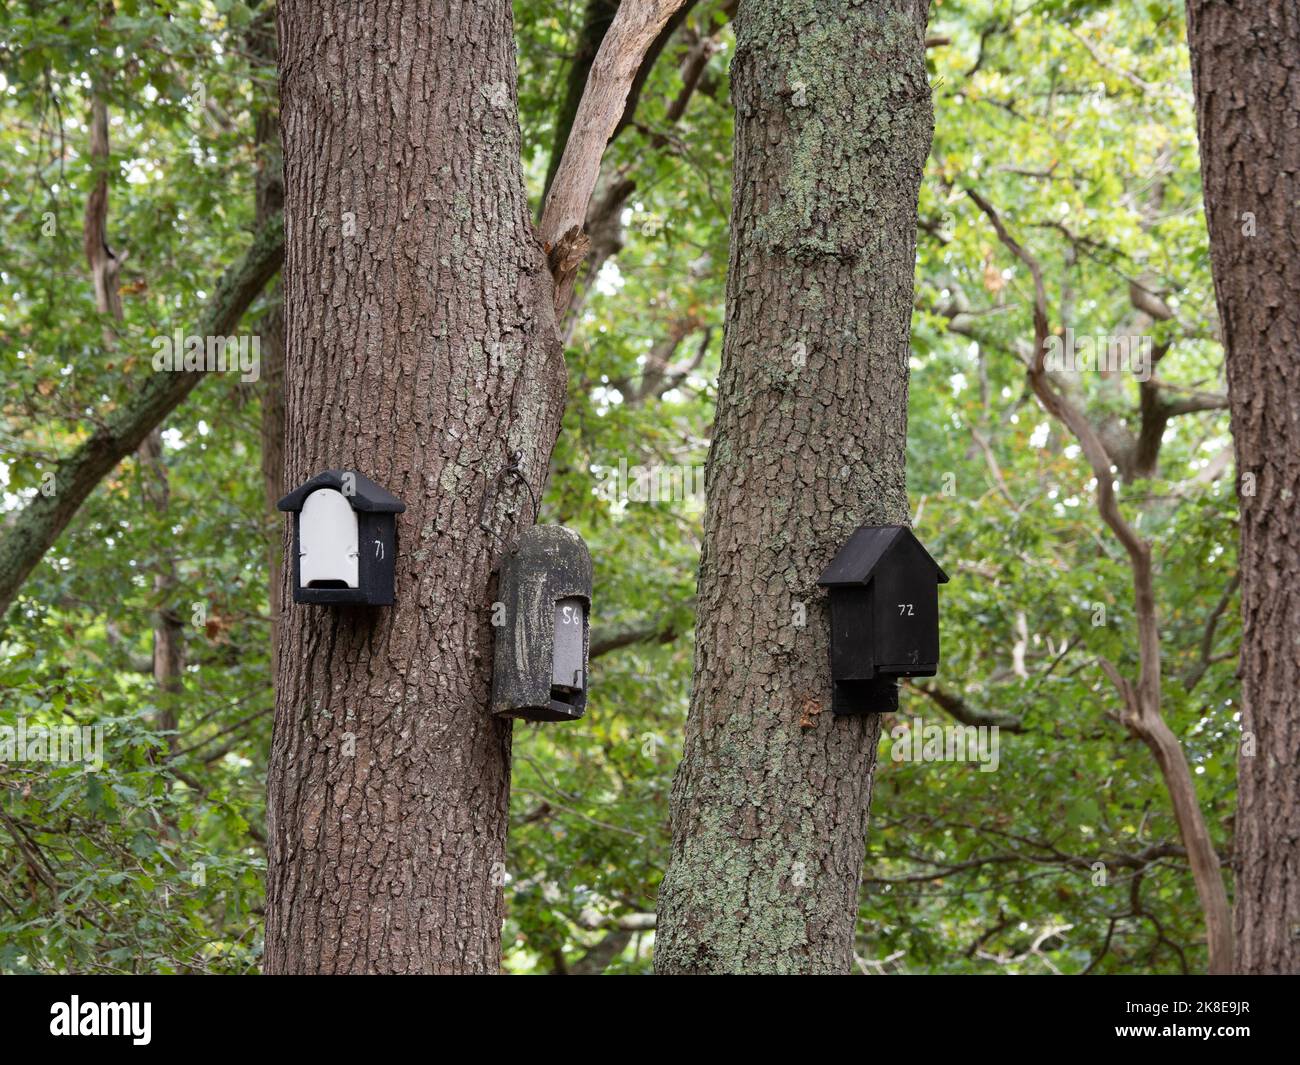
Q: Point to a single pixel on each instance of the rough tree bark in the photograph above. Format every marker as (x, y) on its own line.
(1246, 74)
(770, 802)
(421, 350)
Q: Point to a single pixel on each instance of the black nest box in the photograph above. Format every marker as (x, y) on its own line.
(884, 591)
(542, 638)
(344, 539)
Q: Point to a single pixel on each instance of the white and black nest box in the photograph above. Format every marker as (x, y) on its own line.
(884, 591)
(542, 634)
(344, 539)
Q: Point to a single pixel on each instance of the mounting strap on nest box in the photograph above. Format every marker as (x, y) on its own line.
(489, 496)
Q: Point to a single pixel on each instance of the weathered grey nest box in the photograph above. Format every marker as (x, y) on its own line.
(344, 539)
(884, 591)
(542, 641)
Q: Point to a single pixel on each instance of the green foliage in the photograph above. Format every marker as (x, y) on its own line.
(1094, 170)
(154, 862)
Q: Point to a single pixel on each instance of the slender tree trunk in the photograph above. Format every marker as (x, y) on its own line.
(168, 627)
(1246, 73)
(105, 270)
(269, 195)
(420, 350)
(271, 331)
(770, 802)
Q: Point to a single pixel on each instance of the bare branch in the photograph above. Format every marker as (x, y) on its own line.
(661, 629)
(962, 711)
(1206, 659)
(1195, 401)
(634, 29)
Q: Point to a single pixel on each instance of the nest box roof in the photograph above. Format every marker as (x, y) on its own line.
(365, 494)
(857, 559)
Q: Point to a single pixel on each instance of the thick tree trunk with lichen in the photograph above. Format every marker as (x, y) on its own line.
(1246, 73)
(420, 350)
(770, 802)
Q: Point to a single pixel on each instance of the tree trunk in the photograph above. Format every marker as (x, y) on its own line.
(420, 350)
(770, 802)
(1246, 73)
(105, 269)
(269, 201)
(168, 628)
(272, 424)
